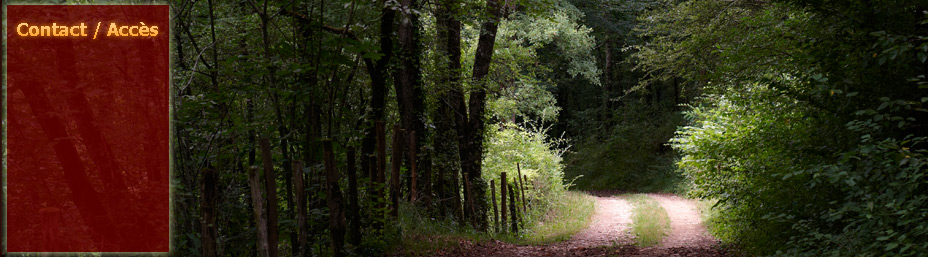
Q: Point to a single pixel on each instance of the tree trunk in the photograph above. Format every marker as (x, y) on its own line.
(270, 181)
(354, 210)
(473, 131)
(412, 167)
(209, 200)
(495, 209)
(254, 181)
(408, 78)
(396, 162)
(469, 198)
(449, 109)
(300, 198)
(334, 195)
(378, 74)
(381, 167)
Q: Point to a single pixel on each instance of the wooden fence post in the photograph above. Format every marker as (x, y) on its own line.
(456, 198)
(334, 195)
(372, 181)
(521, 186)
(375, 196)
(396, 162)
(258, 203)
(209, 194)
(470, 199)
(440, 191)
(428, 181)
(381, 167)
(502, 201)
(525, 188)
(300, 195)
(270, 181)
(513, 208)
(495, 211)
(412, 166)
(354, 210)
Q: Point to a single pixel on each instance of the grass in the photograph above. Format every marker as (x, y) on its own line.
(566, 217)
(707, 214)
(422, 235)
(650, 222)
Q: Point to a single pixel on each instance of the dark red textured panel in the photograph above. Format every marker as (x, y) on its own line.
(88, 129)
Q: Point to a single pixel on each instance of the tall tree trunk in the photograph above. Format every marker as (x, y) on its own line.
(354, 210)
(473, 130)
(300, 198)
(334, 199)
(450, 108)
(209, 201)
(270, 181)
(254, 181)
(396, 163)
(408, 78)
(378, 74)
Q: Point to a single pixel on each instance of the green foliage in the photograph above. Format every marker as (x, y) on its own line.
(769, 164)
(560, 28)
(882, 189)
(735, 148)
(537, 155)
(808, 137)
(517, 75)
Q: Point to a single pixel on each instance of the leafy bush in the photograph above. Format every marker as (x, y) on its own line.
(812, 135)
(782, 187)
(735, 150)
(881, 201)
(537, 155)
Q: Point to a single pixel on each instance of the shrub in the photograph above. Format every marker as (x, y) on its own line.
(540, 159)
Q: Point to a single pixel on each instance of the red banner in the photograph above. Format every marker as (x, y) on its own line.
(88, 128)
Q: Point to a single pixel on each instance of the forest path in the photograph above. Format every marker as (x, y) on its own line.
(610, 224)
(686, 228)
(609, 234)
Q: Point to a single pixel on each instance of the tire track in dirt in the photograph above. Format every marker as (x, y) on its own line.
(686, 228)
(610, 224)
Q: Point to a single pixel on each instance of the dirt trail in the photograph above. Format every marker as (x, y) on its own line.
(611, 220)
(609, 234)
(686, 229)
